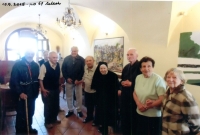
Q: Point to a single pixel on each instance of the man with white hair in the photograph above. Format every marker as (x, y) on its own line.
(73, 70)
(50, 82)
(25, 86)
(128, 105)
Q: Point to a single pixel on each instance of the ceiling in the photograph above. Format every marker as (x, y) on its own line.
(129, 15)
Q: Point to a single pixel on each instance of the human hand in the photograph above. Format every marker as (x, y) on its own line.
(23, 96)
(119, 92)
(141, 107)
(149, 102)
(78, 82)
(83, 85)
(45, 92)
(69, 80)
(126, 83)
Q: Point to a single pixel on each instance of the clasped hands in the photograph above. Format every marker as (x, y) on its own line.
(126, 83)
(69, 80)
(146, 106)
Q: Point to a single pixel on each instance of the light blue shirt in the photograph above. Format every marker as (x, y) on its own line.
(149, 88)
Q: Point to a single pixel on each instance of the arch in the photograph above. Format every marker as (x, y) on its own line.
(42, 43)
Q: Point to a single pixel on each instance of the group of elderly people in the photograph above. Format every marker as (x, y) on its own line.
(148, 104)
(162, 107)
(173, 106)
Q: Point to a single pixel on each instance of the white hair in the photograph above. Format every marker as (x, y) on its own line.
(28, 50)
(134, 50)
(74, 47)
(52, 52)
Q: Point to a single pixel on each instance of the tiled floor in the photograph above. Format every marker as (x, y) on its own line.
(69, 126)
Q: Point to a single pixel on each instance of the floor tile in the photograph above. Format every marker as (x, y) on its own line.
(68, 126)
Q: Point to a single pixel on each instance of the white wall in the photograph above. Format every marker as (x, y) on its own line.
(164, 54)
(76, 37)
(189, 22)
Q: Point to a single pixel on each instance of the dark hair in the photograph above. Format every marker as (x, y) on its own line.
(146, 59)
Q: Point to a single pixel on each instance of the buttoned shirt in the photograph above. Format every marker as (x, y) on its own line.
(87, 78)
(43, 70)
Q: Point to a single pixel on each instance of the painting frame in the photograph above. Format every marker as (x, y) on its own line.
(110, 50)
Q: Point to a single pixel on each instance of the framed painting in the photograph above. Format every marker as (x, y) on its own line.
(110, 50)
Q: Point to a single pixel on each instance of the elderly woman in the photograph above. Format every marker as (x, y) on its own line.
(180, 110)
(148, 95)
(106, 85)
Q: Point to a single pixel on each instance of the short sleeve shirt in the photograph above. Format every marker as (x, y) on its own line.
(87, 78)
(149, 88)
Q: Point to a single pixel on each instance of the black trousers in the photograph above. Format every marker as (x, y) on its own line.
(21, 121)
(128, 113)
(90, 102)
(148, 125)
(51, 106)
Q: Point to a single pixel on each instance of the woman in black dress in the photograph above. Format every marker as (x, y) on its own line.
(106, 85)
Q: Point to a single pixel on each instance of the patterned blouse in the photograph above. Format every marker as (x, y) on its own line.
(180, 113)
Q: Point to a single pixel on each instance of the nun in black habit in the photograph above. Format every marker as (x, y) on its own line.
(106, 85)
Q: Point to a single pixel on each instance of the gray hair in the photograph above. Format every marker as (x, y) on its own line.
(28, 50)
(178, 72)
(74, 47)
(51, 53)
(134, 50)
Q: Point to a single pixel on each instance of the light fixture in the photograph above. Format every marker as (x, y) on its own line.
(39, 29)
(69, 19)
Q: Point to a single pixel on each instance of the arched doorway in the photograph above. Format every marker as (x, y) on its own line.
(23, 38)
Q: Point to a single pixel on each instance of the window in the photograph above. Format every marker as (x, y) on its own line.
(20, 39)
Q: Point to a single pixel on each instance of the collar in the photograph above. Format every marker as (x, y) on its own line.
(133, 63)
(92, 69)
(25, 61)
(177, 90)
(51, 64)
(77, 57)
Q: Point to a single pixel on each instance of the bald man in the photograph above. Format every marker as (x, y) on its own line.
(89, 93)
(128, 105)
(49, 79)
(25, 86)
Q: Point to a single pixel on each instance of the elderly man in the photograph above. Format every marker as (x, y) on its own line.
(73, 70)
(25, 86)
(45, 58)
(89, 93)
(128, 105)
(49, 83)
